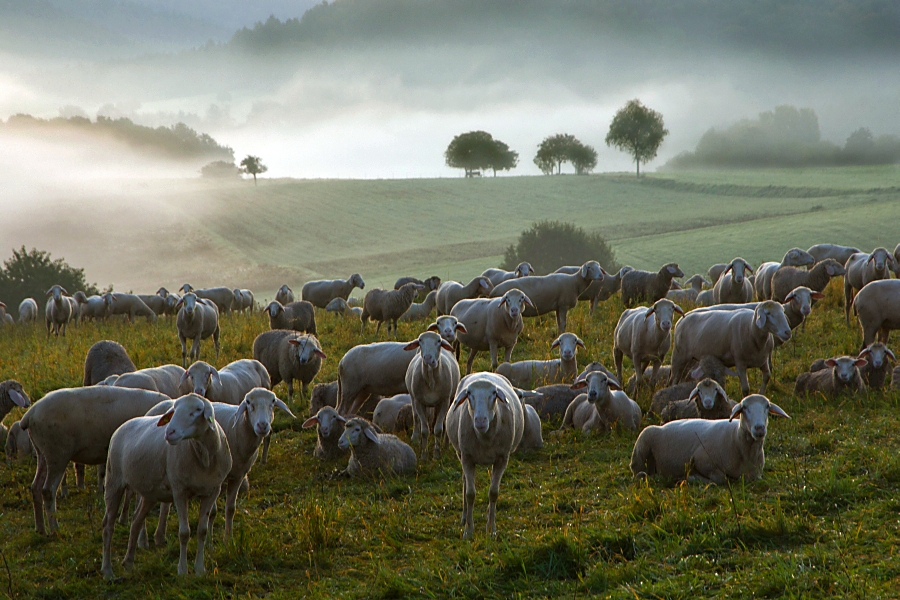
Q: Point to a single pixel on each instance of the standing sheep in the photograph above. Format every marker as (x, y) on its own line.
(197, 320)
(243, 300)
(328, 433)
(733, 285)
(387, 306)
(862, 269)
(372, 453)
(877, 307)
(431, 378)
(154, 302)
(378, 368)
(288, 355)
(222, 297)
(59, 310)
(838, 253)
(688, 294)
(429, 285)
(420, 312)
(491, 324)
(600, 290)
(284, 295)
(28, 311)
(498, 276)
(228, 385)
(840, 377)
(786, 279)
(106, 358)
(320, 293)
(527, 374)
(131, 306)
(643, 286)
(645, 341)
(299, 316)
(795, 257)
(451, 292)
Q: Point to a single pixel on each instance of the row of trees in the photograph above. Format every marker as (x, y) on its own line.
(635, 129)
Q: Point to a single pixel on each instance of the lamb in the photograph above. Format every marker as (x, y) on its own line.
(643, 340)
(320, 293)
(372, 453)
(688, 294)
(197, 320)
(299, 316)
(329, 430)
(600, 290)
(387, 306)
(189, 458)
(531, 431)
(222, 297)
(449, 327)
(228, 385)
(387, 414)
(706, 401)
(106, 358)
(877, 366)
(429, 285)
(557, 292)
(612, 404)
(420, 312)
(59, 310)
(864, 268)
(12, 394)
(339, 305)
(708, 367)
(498, 276)
(707, 451)
(527, 373)
(451, 292)
(732, 286)
(877, 307)
(485, 425)
(378, 368)
(638, 286)
(786, 279)
(28, 311)
(287, 356)
(795, 257)
(491, 323)
(840, 254)
(842, 377)
(131, 306)
(95, 307)
(284, 295)
(243, 300)
(739, 338)
(18, 444)
(431, 379)
(75, 425)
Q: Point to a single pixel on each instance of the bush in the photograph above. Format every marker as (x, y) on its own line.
(549, 245)
(31, 274)
(220, 169)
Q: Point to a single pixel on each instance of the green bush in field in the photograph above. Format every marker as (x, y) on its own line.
(549, 245)
(29, 274)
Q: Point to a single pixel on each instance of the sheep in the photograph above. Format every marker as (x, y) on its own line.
(716, 271)
(842, 376)
(498, 276)
(797, 306)
(387, 414)
(552, 400)
(663, 375)
(795, 257)
(106, 358)
(284, 295)
(74, 425)
(372, 453)
(485, 425)
(430, 285)
(299, 316)
(449, 327)
(612, 404)
(131, 306)
(491, 323)
(5, 318)
(154, 302)
(135, 381)
(12, 394)
(643, 340)
(786, 279)
(329, 430)
(527, 373)
(688, 294)
(339, 305)
(451, 292)
(705, 298)
(531, 431)
(706, 401)
(95, 307)
(864, 268)
(599, 290)
(288, 355)
(228, 385)
(320, 293)
(644, 286)
(28, 310)
(431, 379)
(189, 458)
(222, 297)
(707, 451)
(59, 310)
(378, 368)
(840, 254)
(708, 367)
(732, 285)
(581, 414)
(420, 312)
(877, 307)
(387, 306)
(165, 379)
(739, 338)
(243, 300)
(18, 443)
(197, 320)
(323, 394)
(877, 365)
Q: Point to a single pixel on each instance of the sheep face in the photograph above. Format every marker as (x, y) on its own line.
(356, 433)
(162, 292)
(481, 397)
(259, 405)
(57, 291)
(189, 301)
(845, 368)
(802, 298)
(592, 271)
(754, 411)
(770, 317)
(795, 257)
(274, 308)
(447, 326)
(833, 267)
(515, 300)
(306, 348)
(524, 269)
(189, 418)
(328, 420)
(186, 288)
(429, 345)
(197, 378)
(664, 312)
(882, 259)
(706, 393)
(738, 268)
(568, 344)
(79, 297)
(598, 386)
(673, 270)
(357, 281)
(433, 283)
(876, 354)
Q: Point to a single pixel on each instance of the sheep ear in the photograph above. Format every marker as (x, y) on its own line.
(184, 377)
(649, 312)
(760, 320)
(788, 298)
(18, 399)
(738, 409)
(446, 346)
(215, 375)
(748, 267)
(242, 408)
(501, 397)
(310, 422)
(774, 409)
(528, 301)
(370, 433)
(694, 393)
(179, 303)
(412, 345)
(502, 301)
(861, 362)
(554, 344)
(728, 268)
(432, 327)
(280, 404)
(164, 420)
(831, 362)
(578, 342)
(3, 304)
(891, 354)
(864, 352)
(320, 354)
(50, 291)
(294, 341)
(817, 296)
(208, 412)
(340, 418)
(871, 258)
(697, 373)
(679, 310)
(461, 397)
(461, 328)
(613, 384)
(579, 385)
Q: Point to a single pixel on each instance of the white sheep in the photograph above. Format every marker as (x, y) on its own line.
(600, 290)
(431, 379)
(451, 292)
(288, 356)
(372, 453)
(822, 252)
(198, 319)
(18, 444)
(644, 340)
(862, 269)
(341, 306)
(243, 300)
(448, 327)
(421, 311)
(786, 279)
(532, 438)
(166, 379)
(59, 310)
(498, 276)
(732, 285)
(612, 404)
(284, 295)
(877, 366)
(491, 323)
(877, 307)
(321, 292)
(228, 385)
(528, 374)
(388, 306)
(154, 302)
(689, 294)
(329, 425)
(95, 307)
(28, 311)
(795, 257)
(221, 296)
(707, 451)
(841, 376)
(299, 316)
(707, 400)
(644, 286)
(388, 414)
(378, 368)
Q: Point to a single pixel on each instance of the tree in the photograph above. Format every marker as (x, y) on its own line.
(30, 274)
(548, 245)
(502, 158)
(554, 151)
(252, 165)
(583, 158)
(220, 169)
(637, 130)
(478, 150)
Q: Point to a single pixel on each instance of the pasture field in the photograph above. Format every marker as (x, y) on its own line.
(821, 522)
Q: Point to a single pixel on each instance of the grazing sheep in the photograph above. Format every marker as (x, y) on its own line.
(449, 327)
(12, 394)
(18, 443)
(841, 377)
(329, 430)
(786, 279)
(288, 355)
(284, 295)
(688, 294)
(154, 302)
(228, 385)
(643, 340)
(189, 458)
(373, 453)
(131, 306)
(485, 425)
(106, 358)
(451, 292)
(612, 404)
(28, 311)
(532, 438)
(431, 379)
(339, 305)
(795, 257)
(429, 285)
(865, 268)
(490, 324)
(299, 316)
(498, 276)
(708, 367)
(528, 373)
(378, 368)
(320, 293)
(420, 312)
(599, 290)
(707, 451)
(739, 338)
(222, 297)
(197, 320)
(732, 286)
(59, 310)
(877, 307)
(387, 414)
(557, 292)
(875, 372)
(840, 254)
(643, 286)
(387, 306)
(707, 401)
(243, 300)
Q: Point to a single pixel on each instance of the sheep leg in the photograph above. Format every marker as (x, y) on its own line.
(215, 341)
(212, 520)
(265, 452)
(440, 415)
(472, 353)
(766, 375)
(79, 475)
(507, 356)
(618, 355)
(494, 493)
(231, 495)
(656, 364)
(137, 525)
(113, 497)
(37, 499)
(468, 496)
(183, 341)
(101, 477)
(561, 320)
(126, 504)
(742, 376)
(290, 387)
(494, 362)
(195, 349)
(55, 473)
(378, 328)
(420, 427)
(184, 530)
(159, 537)
(206, 505)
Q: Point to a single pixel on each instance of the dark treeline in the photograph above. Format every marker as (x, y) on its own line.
(30, 274)
(786, 137)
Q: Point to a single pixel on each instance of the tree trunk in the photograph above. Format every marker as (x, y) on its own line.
(254, 179)
(638, 161)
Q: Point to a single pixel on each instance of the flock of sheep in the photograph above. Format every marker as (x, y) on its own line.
(167, 434)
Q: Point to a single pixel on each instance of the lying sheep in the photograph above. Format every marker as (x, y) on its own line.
(688, 294)
(387, 306)
(581, 414)
(451, 292)
(189, 458)
(527, 374)
(28, 311)
(299, 316)
(228, 385)
(243, 300)
(643, 286)
(498, 276)
(368, 369)
(198, 319)
(599, 290)
(485, 425)
(429, 285)
(786, 279)
(644, 340)
(106, 358)
(532, 438)
(222, 297)
(732, 286)
(323, 394)
(284, 295)
(339, 305)
(374, 453)
(877, 307)
(551, 401)
(420, 312)
(612, 404)
(708, 367)
(662, 375)
(840, 254)
(795, 257)
(431, 379)
(875, 372)
(448, 327)
(287, 356)
(707, 451)
(320, 293)
(329, 427)
(841, 377)
(59, 310)
(387, 414)
(490, 324)
(862, 269)
(706, 401)
(5, 318)
(18, 443)
(131, 306)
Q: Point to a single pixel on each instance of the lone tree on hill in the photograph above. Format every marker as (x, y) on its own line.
(637, 130)
(477, 151)
(252, 165)
(561, 148)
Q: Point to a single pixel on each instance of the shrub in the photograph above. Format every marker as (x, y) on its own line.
(549, 245)
(220, 169)
(30, 274)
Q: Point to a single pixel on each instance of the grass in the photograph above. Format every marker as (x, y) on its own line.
(821, 522)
